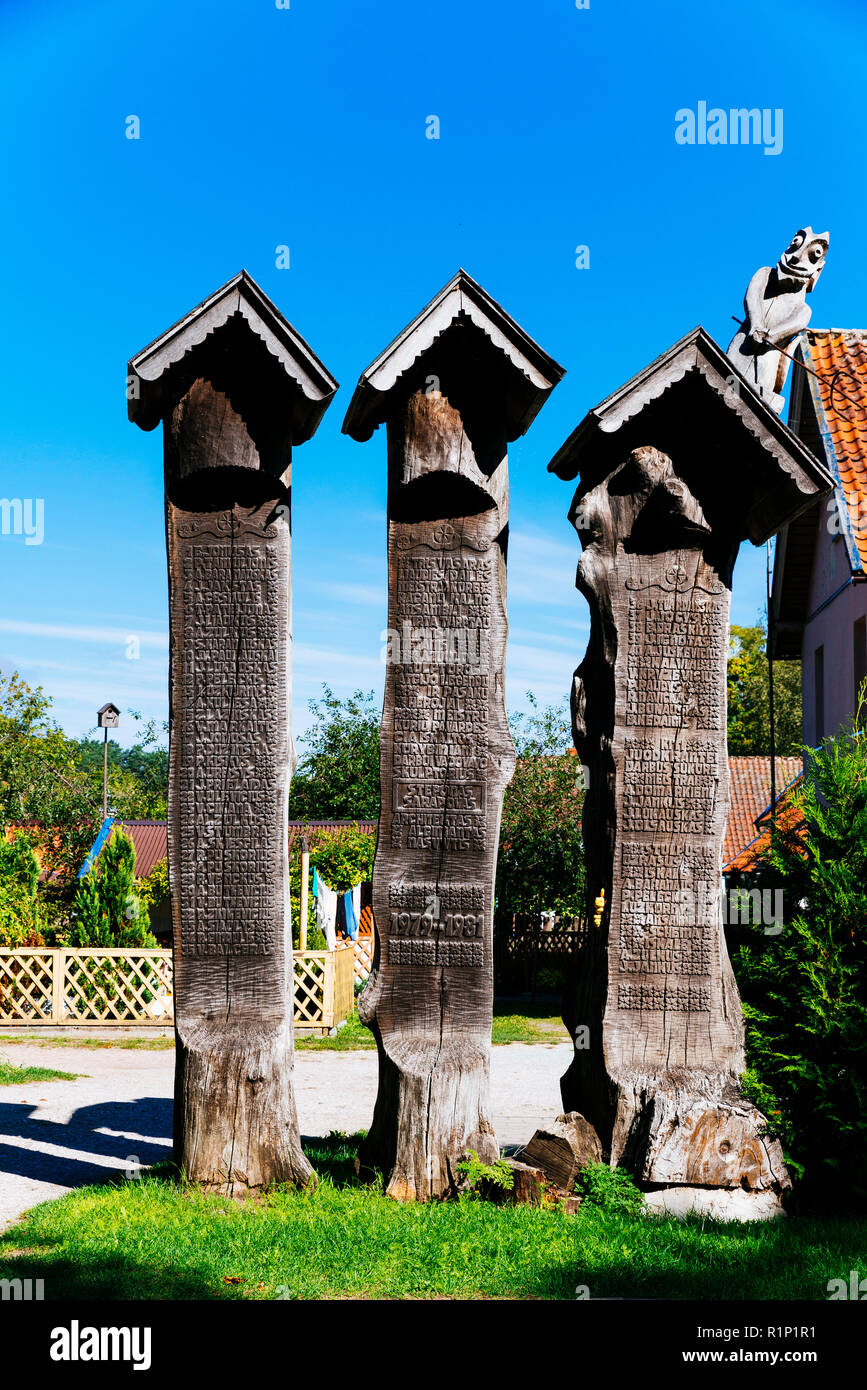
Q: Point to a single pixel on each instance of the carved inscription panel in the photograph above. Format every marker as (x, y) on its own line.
(668, 916)
(670, 784)
(441, 711)
(232, 717)
(436, 806)
(676, 646)
(673, 641)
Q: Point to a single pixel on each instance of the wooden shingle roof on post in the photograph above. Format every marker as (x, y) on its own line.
(745, 447)
(152, 373)
(529, 372)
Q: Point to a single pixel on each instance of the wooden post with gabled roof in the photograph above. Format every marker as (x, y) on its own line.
(235, 387)
(677, 468)
(457, 384)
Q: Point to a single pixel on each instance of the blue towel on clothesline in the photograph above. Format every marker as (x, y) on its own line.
(351, 917)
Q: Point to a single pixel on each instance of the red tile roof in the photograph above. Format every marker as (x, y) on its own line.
(789, 820)
(149, 842)
(844, 351)
(317, 830)
(750, 787)
(750, 791)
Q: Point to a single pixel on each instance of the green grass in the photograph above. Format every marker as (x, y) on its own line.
(531, 1023)
(13, 1076)
(156, 1239)
(509, 1028)
(352, 1036)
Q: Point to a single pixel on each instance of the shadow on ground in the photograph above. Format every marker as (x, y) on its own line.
(134, 1129)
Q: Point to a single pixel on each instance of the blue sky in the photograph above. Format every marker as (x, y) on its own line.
(305, 127)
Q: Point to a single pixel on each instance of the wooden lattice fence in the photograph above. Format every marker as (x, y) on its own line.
(115, 987)
(324, 994)
(363, 958)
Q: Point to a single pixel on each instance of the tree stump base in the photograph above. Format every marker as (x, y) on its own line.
(431, 1109)
(697, 1130)
(236, 1126)
(528, 1187)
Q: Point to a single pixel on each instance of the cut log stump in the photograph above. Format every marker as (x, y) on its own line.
(563, 1148)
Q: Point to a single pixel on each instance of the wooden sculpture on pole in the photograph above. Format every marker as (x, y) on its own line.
(460, 382)
(677, 468)
(776, 312)
(235, 387)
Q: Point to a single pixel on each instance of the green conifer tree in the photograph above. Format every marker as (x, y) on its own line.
(805, 987)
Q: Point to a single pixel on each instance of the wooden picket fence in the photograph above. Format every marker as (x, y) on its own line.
(122, 987)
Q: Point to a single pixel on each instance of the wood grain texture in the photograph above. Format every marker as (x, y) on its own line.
(447, 757)
(660, 1078)
(459, 382)
(235, 387)
(562, 1148)
(230, 764)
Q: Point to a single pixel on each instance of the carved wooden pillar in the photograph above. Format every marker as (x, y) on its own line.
(676, 469)
(232, 404)
(451, 400)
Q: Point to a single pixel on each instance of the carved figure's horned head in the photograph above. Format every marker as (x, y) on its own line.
(804, 257)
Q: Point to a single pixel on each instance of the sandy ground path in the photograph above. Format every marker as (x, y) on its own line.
(57, 1135)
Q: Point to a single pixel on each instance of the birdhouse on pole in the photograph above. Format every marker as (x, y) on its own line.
(108, 716)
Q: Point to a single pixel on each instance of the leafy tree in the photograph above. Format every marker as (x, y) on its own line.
(21, 922)
(805, 990)
(543, 731)
(337, 778)
(154, 890)
(748, 690)
(345, 859)
(39, 778)
(19, 864)
(90, 925)
(54, 783)
(138, 776)
(341, 860)
(541, 858)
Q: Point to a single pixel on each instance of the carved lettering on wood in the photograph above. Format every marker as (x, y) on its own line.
(235, 387)
(232, 713)
(662, 994)
(460, 382)
(676, 470)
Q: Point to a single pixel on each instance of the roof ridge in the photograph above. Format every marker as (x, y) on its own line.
(812, 332)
